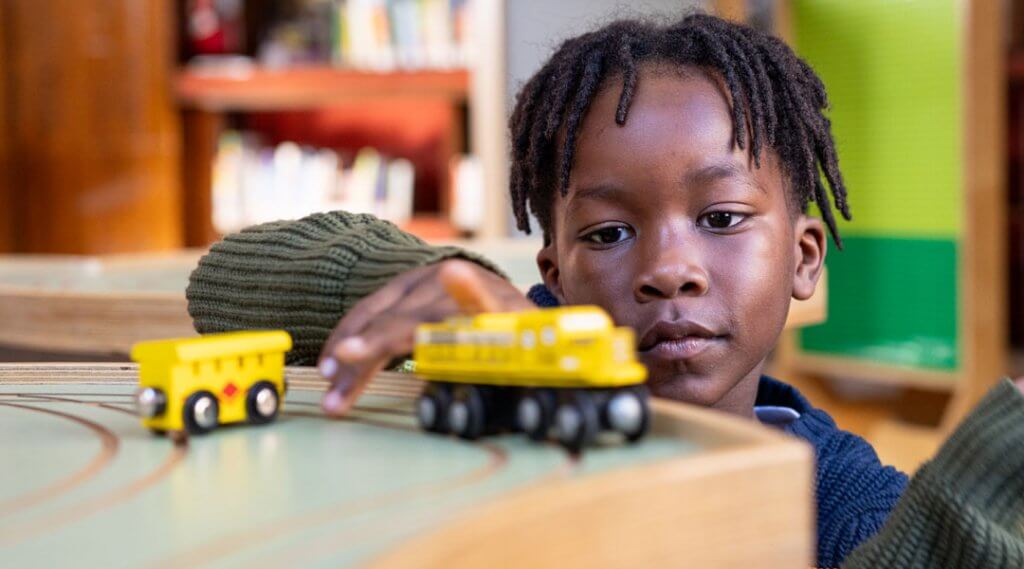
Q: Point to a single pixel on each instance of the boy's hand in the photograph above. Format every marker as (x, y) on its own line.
(380, 327)
(1020, 384)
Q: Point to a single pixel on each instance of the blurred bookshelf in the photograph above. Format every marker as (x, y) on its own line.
(294, 107)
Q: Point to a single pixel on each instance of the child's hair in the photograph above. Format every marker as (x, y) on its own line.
(775, 96)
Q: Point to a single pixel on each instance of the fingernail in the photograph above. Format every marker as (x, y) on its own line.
(328, 367)
(332, 401)
(351, 347)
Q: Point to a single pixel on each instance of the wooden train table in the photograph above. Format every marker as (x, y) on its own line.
(82, 483)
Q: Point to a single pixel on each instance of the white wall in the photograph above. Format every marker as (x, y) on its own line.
(535, 28)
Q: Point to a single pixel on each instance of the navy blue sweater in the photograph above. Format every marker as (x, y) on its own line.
(855, 493)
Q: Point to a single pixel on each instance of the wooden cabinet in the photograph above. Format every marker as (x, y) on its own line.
(107, 140)
(91, 131)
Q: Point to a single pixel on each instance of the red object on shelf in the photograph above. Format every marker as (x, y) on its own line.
(430, 228)
(259, 89)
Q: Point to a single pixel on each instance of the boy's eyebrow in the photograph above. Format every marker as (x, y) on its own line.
(701, 176)
(602, 192)
(718, 171)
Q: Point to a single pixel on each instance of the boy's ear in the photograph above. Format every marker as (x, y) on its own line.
(547, 262)
(811, 243)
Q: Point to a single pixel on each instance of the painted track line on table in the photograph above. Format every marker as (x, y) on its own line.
(109, 444)
(99, 503)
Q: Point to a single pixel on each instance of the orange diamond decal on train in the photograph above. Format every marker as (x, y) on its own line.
(230, 390)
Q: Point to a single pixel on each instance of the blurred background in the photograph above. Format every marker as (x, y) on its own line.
(135, 133)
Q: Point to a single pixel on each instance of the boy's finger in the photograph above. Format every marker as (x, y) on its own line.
(356, 359)
(386, 297)
(370, 307)
(360, 315)
(464, 285)
(383, 340)
(348, 384)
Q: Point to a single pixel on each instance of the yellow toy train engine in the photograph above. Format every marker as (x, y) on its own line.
(195, 384)
(568, 369)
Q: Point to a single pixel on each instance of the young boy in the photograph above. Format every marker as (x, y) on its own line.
(670, 169)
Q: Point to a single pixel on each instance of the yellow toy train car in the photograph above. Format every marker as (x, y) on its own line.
(195, 384)
(566, 368)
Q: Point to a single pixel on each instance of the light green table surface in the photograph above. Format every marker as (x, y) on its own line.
(83, 484)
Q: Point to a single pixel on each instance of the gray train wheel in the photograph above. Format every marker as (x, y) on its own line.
(467, 414)
(432, 407)
(577, 421)
(535, 413)
(629, 413)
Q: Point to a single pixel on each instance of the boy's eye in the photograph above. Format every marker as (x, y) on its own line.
(721, 219)
(608, 235)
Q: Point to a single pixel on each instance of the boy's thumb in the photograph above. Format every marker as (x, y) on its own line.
(462, 282)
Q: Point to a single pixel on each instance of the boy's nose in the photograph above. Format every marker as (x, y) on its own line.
(669, 277)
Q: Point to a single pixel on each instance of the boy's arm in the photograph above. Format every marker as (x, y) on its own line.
(304, 275)
(965, 508)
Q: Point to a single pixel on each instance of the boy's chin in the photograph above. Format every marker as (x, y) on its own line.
(693, 388)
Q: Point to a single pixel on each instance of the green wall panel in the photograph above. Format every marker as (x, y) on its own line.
(892, 72)
(891, 301)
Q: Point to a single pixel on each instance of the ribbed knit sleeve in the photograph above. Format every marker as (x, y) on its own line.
(302, 276)
(965, 508)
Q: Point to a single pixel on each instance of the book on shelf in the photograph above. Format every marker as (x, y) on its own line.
(255, 183)
(467, 196)
(386, 35)
(374, 35)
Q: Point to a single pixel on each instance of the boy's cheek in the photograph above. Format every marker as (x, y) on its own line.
(585, 281)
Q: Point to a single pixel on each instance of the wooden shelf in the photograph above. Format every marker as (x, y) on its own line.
(305, 87)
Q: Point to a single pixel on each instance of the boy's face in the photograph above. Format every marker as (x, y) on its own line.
(674, 232)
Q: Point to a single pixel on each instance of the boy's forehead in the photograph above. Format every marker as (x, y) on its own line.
(682, 123)
(668, 113)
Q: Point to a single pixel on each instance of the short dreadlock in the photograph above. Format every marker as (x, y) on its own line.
(776, 97)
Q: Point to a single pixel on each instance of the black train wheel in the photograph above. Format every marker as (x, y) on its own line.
(629, 412)
(467, 413)
(432, 407)
(262, 403)
(535, 413)
(201, 413)
(577, 421)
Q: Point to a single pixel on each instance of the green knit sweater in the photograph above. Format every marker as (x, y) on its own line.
(963, 509)
(302, 276)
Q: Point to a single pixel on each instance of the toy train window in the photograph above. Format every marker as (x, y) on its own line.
(529, 339)
(466, 338)
(584, 322)
(547, 336)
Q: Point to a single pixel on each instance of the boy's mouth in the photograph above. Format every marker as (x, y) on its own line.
(681, 339)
